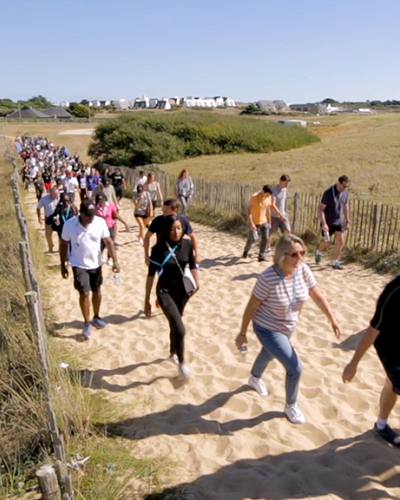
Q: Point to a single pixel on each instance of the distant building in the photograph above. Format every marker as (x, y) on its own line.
(26, 112)
(208, 102)
(57, 112)
(305, 108)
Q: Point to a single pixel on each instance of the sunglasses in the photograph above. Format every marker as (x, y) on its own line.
(297, 254)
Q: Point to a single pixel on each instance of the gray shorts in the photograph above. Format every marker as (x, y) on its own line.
(277, 223)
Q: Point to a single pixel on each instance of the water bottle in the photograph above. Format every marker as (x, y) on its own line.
(117, 280)
(255, 234)
(243, 351)
(327, 236)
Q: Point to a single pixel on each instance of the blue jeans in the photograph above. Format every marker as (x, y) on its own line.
(277, 345)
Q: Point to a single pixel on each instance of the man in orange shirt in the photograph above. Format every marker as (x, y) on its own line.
(259, 214)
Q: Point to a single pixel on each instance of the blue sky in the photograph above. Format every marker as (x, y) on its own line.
(295, 50)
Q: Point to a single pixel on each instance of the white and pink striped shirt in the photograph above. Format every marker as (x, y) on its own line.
(280, 307)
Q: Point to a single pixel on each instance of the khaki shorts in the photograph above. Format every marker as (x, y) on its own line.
(277, 223)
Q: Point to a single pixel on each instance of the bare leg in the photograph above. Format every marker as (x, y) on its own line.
(323, 245)
(338, 245)
(140, 222)
(49, 236)
(84, 302)
(387, 400)
(96, 301)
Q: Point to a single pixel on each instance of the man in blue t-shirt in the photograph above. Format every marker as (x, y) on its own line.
(170, 207)
(335, 218)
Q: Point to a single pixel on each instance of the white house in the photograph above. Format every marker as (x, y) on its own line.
(153, 103)
(163, 104)
(229, 103)
(208, 102)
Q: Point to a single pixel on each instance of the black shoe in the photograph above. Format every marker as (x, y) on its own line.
(388, 434)
(261, 259)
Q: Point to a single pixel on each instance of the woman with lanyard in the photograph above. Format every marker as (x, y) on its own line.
(108, 212)
(168, 259)
(274, 307)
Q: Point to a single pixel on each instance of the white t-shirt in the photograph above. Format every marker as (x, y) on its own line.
(48, 204)
(70, 183)
(85, 241)
(275, 312)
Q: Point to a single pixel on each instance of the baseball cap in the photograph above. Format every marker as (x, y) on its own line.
(88, 207)
(100, 197)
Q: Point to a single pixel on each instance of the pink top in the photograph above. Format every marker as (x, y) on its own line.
(107, 213)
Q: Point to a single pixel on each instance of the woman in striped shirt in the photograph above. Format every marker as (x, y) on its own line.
(274, 307)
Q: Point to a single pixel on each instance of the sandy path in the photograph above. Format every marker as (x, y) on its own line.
(228, 442)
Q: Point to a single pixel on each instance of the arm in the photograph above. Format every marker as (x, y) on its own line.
(63, 258)
(247, 316)
(192, 236)
(346, 214)
(111, 250)
(39, 216)
(191, 190)
(146, 245)
(149, 286)
(118, 217)
(252, 225)
(321, 212)
(369, 337)
(160, 193)
(275, 209)
(322, 304)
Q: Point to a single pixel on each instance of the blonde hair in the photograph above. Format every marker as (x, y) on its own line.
(284, 246)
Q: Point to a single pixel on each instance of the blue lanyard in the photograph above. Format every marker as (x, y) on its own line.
(293, 300)
(66, 217)
(170, 253)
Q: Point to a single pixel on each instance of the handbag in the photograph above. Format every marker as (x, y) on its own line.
(188, 281)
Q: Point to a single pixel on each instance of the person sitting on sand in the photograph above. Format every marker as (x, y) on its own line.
(382, 332)
(169, 257)
(274, 307)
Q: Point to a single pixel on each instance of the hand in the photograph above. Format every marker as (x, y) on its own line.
(147, 260)
(240, 340)
(40, 221)
(325, 228)
(336, 329)
(64, 272)
(283, 218)
(346, 226)
(147, 309)
(349, 372)
(116, 268)
(252, 227)
(127, 229)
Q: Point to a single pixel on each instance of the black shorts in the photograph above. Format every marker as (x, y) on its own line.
(119, 192)
(141, 216)
(392, 369)
(87, 279)
(334, 228)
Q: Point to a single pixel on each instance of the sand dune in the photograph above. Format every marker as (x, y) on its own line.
(229, 443)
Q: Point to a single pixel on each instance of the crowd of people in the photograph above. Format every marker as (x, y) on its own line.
(278, 295)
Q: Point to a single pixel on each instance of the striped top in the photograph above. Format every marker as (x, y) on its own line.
(274, 313)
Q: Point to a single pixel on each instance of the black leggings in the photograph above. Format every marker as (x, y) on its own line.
(172, 304)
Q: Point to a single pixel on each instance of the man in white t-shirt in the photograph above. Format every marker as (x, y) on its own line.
(84, 234)
(141, 181)
(70, 185)
(279, 195)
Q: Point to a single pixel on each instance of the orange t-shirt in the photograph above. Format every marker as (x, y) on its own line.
(260, 208)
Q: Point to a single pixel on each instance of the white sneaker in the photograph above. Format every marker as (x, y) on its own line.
(110, 262)
(141, 241)
(268, 250)
(174, 359)
(184, 371)
(258, 385)
(294, 414)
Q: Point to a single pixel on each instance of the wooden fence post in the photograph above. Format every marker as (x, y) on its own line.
(36, 321)
(295, 212)
(23, 254)
(48, 483)
(375, 227)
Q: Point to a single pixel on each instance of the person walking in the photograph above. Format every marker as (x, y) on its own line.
(279, 195)
(84, 235)
(259, 216)
(335, 219)
(275, 307)
(170, 207)
(169, 258)
(382, 332)
(143, 210)
(49, 202)
(118, 182)
(184, 190)
(153, 187)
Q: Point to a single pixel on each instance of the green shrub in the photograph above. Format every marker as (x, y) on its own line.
(143, 138)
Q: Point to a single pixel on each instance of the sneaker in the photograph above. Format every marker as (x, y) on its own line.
(337, 265)
(388, 434)
(87, 331)
(174, 359)
(268, 250)
(261, 258)
(99, 323)
(318, 257)
(258, 385)
(184, 371)
(294, 414)
(110, 262)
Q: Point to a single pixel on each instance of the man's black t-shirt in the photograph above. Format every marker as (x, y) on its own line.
(334, 202)
(117, 179)
(386, 320)
(157, 224)
(171, 276)
(46, 177)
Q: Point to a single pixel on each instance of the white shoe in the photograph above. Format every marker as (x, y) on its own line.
(141, 241)
(110, 262)
(294, 414)
(174, 359)
(268, 250)
(184, 371)
(258, 385)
